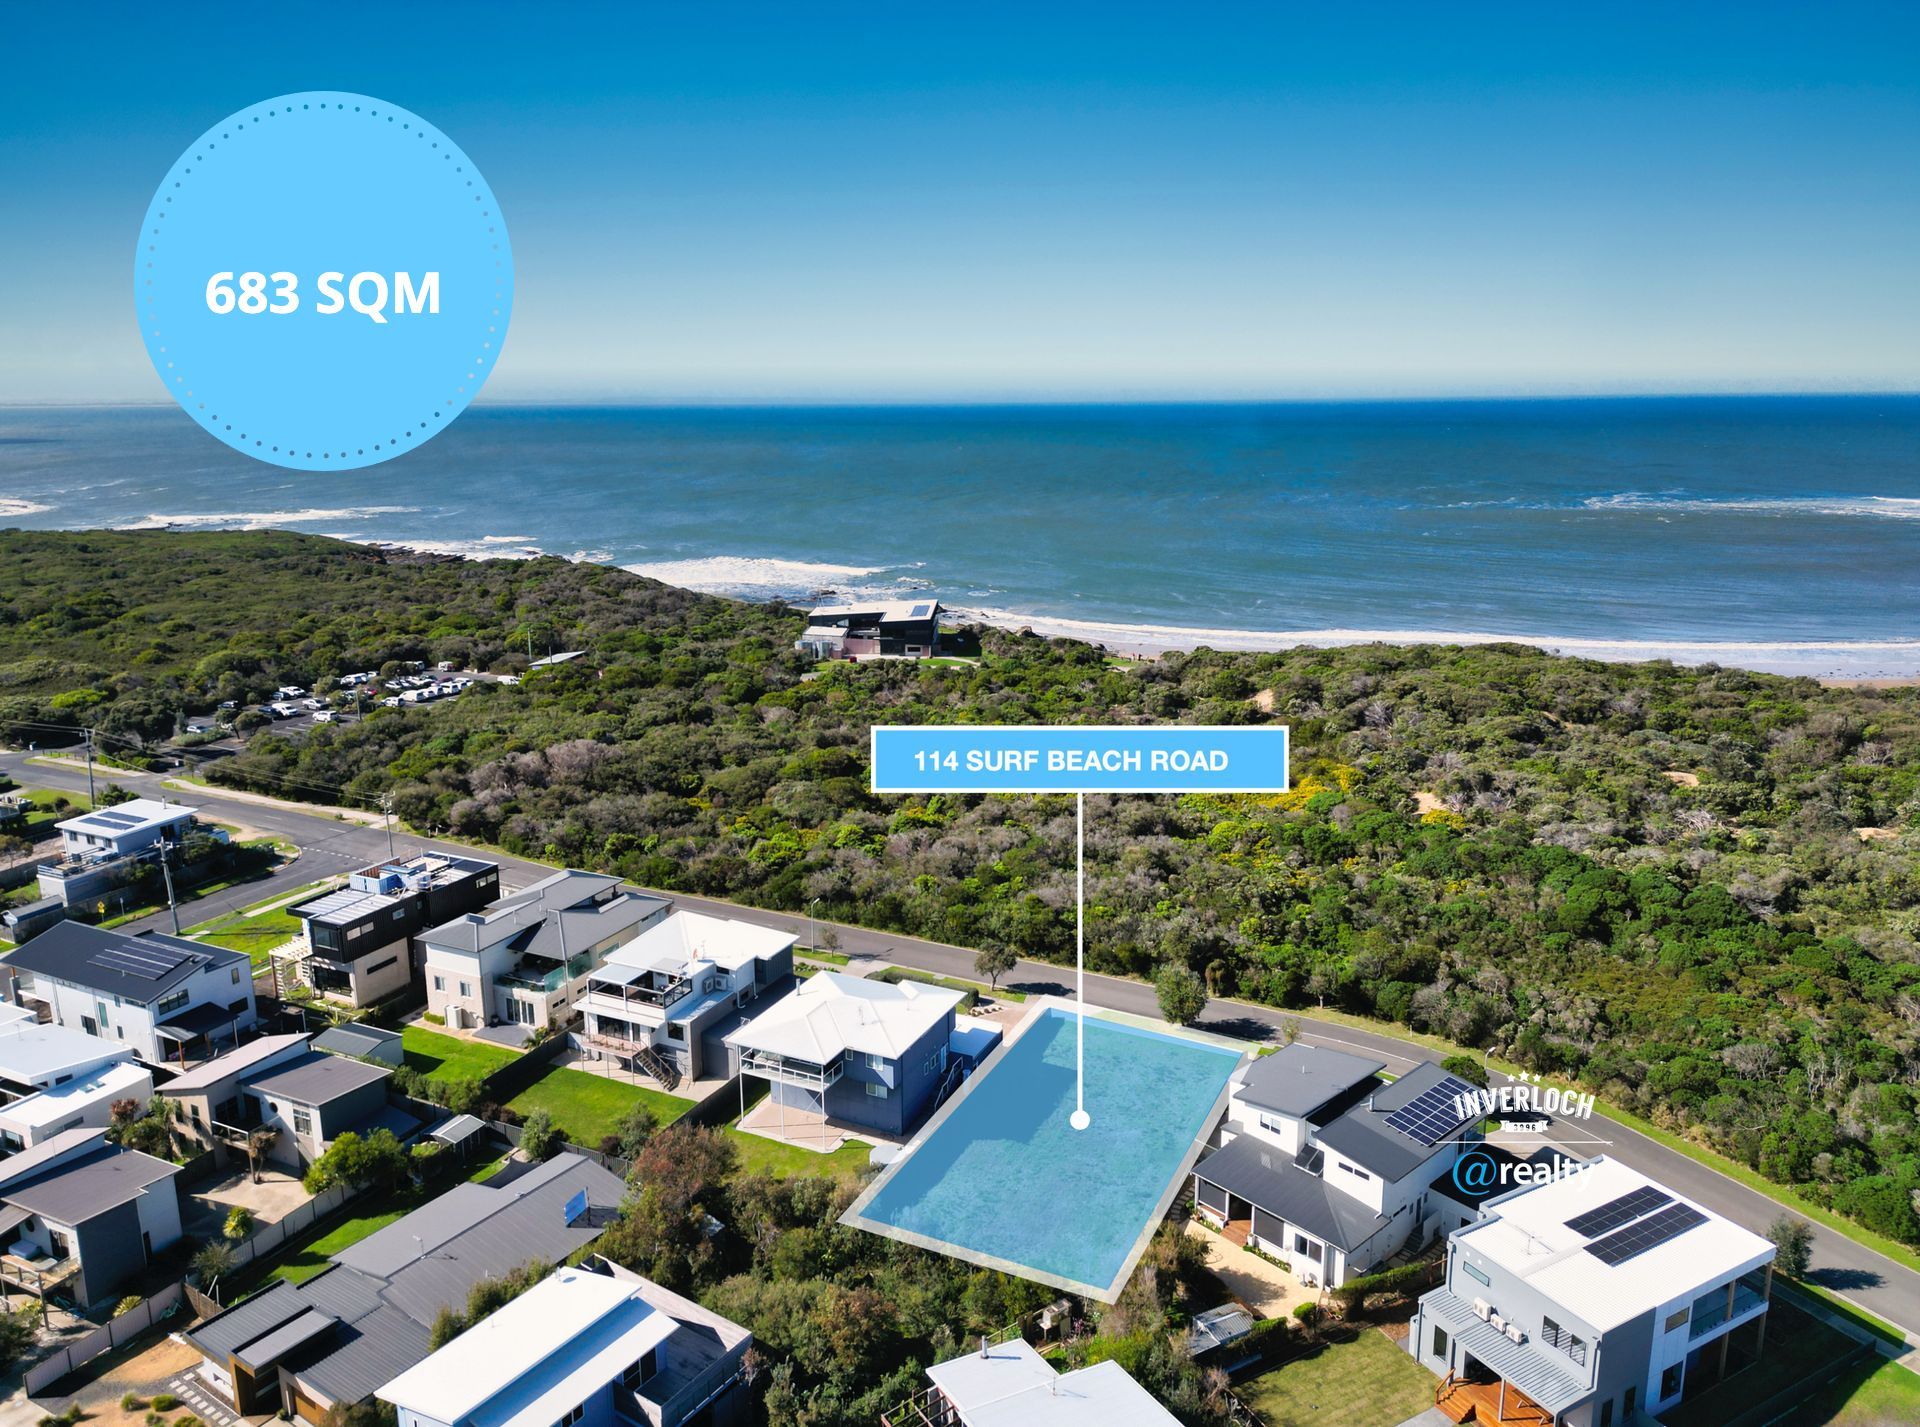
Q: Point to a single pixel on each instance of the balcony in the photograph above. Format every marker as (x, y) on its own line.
(803, 1073)
(643, 996)
(544, 976)
(1713, 1310)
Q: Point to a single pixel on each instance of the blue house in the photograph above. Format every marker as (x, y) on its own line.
(863, 1052)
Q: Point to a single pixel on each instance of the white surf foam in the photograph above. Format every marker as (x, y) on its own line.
(1884, 507)
(1863, 658)
(755, 577)
(11, 506)
(266, 519)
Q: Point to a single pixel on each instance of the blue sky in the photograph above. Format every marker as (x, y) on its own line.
(976, 202)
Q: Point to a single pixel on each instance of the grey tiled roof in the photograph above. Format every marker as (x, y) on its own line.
(74, 1193)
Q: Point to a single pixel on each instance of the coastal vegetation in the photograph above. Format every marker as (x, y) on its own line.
(1693, 890)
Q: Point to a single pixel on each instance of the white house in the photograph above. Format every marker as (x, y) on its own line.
(1011, 1385)
(160, 995)
(525, 959)
(580, 1347)
(1586, 1298)
(82, 1102)
(664, 1001)
(37, 1055)
(124, 829)
(1327, 1166)
(80, 1217)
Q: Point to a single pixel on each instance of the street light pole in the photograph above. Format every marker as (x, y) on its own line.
(813, 927)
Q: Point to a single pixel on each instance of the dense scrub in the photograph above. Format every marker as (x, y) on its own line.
(1643, 876)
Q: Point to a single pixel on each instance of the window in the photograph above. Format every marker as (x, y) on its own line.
(439, 983)
(1670, 1382)
(1275, 1123)
(399, 914)
(465, 989)
(170, 1004)
(1476, 1275)
(302, 1121)
(875, 1061)
(1550, 1332)
(353, 933)
(676, 1031)
(1606, 1413)
(1678, 1320)
(1301, 1244)
(1356, 1173)
(235, 974)
(879, 1092)
(381, 965)
(573, 1416)
(1439, 1342)
(639, 1372)
(1626, 1404)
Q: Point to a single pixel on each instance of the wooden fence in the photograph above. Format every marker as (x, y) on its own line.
(108, 1336)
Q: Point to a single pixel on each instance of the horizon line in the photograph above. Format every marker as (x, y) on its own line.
(803, 403)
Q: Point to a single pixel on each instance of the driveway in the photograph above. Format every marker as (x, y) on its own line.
(277, 1195)
(1263, 1286)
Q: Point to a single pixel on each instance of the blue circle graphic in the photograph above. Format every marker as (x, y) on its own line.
(288, 276)
(1476, 1173)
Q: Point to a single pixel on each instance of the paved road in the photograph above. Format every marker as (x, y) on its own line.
(330, 847)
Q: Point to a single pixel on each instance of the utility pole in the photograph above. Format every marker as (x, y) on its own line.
(386, 806)
(166, 871)
(90, 765)
(813, 927)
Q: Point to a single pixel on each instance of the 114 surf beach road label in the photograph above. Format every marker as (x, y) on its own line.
(1017, 758)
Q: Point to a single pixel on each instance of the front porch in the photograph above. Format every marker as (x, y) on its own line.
(808, 1129)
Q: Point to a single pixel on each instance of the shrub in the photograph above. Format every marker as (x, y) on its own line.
(133, 1402)
(165, 1401)
(538, 1137)
(126, 1305)
(433, 1018)
(239, 1223)
(1307, 1313)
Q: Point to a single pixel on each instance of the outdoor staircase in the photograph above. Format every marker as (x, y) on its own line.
(656, 1065)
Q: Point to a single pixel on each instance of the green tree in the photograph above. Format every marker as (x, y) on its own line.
(1467, 1067)
(1792, 1244)
(994, 961)
(538, 1136)
(239, 1223)
(1182, 995)
(377, 1159)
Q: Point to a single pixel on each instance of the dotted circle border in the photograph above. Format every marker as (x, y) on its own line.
(239, 127)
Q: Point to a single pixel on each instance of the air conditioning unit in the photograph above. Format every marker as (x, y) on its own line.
(1499, 1323)
(1514, 1333)
(1482, 1308)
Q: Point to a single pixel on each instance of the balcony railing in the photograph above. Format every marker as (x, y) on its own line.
(791, 1072)
(1709, 1316)
(524, 978)
(653, 998)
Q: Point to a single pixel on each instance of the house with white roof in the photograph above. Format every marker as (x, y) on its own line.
(102, 848)
(1011, 1385)
(664, 1002)
(524, 960)
(38, 1055)
(82, 1102)
(864, 1052)
(594, 1348)
(1328, 1166)
(1585, 1298)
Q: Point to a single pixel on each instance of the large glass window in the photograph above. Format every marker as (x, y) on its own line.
(1439, 1342)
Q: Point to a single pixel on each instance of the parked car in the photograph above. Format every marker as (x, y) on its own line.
(324, 716)
(289, 691)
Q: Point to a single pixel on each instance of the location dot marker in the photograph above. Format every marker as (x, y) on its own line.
(1080, 1119)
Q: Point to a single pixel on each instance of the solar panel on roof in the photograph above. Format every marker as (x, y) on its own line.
(920, 611)
(1650, 1232)
(114, 820)
(1615, 1212)
(150, 962)
(1431, 1115)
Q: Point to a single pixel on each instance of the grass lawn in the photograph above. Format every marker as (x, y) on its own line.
(588, 1106)
(1865, 1396)
(1366, 1383)
(486, 1171)
(952, 983)
(448, 1058)
(254, 930)
(759, 1155)
(1800, 1351)
(376, 1212)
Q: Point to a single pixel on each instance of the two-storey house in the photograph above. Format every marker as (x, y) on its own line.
(525, 959)
(1584, 1299)
(1326, 1165)
(662, 1003)
(358, 945)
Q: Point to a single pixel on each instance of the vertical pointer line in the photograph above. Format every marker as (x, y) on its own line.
(1080, 1117)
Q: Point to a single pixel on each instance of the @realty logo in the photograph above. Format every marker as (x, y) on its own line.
(1478, 1174)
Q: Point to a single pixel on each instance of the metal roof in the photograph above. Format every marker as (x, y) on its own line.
(1266, 1176)
(318, 1078)
(140, 967)
(831, 1013)
(235, 1062)
(1520, 1364)
(31, 1049)
(1298, 1079)
(270, 1348)
(1011, 1385)
(530, 917)
(1364, 1135)
(355, 1040)
(74, 1193)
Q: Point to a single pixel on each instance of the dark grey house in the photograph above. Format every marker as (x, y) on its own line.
(359, 943)
(94, 1214)
(315, 1098)
(902, 629)
(862, 1052)
(336, 1339)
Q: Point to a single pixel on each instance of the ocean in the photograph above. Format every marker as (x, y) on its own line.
(1770, 533)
